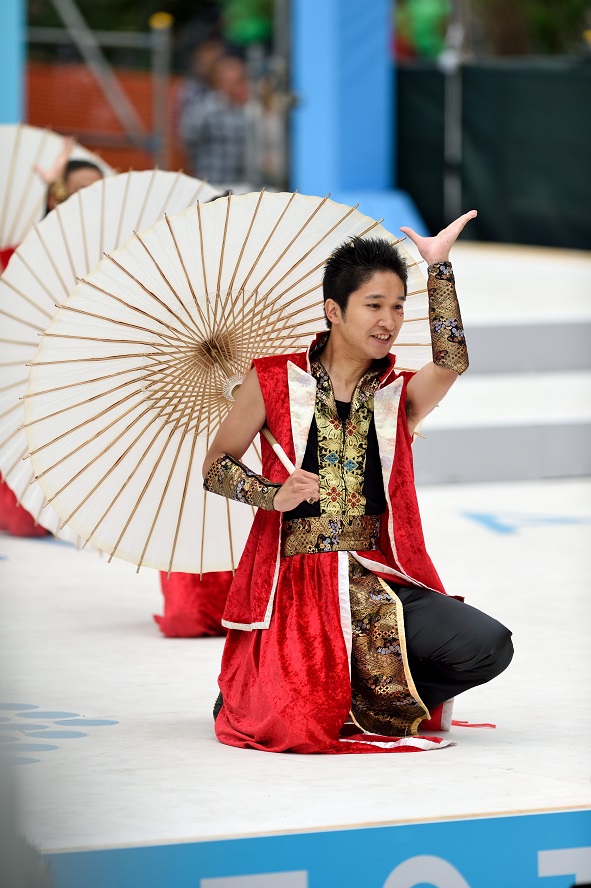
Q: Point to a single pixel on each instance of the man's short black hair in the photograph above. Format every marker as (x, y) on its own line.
(353, 263)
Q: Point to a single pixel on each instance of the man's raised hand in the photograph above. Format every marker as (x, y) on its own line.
(436, 249)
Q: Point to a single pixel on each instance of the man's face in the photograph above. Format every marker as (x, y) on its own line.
(78, 179)
(373, 317)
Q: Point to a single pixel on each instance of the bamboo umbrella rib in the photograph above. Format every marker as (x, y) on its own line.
(102, 219)
(145, 202)
(26, 190)
(320, 265)
(163, 494)
(65, 239)
(414, 320)
(113, 466)
(33, 274)
(142, 494)
(110, 469)
(138, 369)
(9, 437)
(265, 245)
(245, 242)
(167, 199)
(202, 252)
(88, 360)
(87, 263)
(10, 180)
(11, 409)
(145, 314)
(291, 243)
(22, 455)
(223, 247)
(29, 324)
(416, 292)
(77, 428)
(303, 258)
(20, 342)
(204, 320)
(66, 289)
(91, 381)
(18, 384)
(82, 403)
(123, 205)
(179, 349)
(31, 302)
(183, 501)
(412, 344)
(168, 284)
(14, 363)
(160, 302)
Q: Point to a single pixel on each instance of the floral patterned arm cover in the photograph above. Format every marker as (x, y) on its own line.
(447, 333)
(229, 477)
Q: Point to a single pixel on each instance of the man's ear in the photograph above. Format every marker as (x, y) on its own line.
(332, 311)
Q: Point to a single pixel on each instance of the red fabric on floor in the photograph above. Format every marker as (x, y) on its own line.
(14, 519)
(193, 606)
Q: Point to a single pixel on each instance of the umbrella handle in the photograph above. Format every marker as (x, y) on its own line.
(278, 450)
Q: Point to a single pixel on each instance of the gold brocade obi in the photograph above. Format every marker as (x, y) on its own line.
(327, 533)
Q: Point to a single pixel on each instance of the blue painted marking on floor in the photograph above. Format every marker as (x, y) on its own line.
(509, 523)
(56, 735)
(17, 706)
(22, 726)
(48, 715)
(31, 747)
(87, 722)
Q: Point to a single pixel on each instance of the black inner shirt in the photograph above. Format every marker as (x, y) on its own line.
(373, 485)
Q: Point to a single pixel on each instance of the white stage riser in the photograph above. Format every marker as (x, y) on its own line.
(529, 851)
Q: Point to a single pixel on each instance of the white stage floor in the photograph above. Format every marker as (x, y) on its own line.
(79, 640)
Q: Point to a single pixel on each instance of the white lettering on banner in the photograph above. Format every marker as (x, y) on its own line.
(293, 879)
(574, 862)
(425, 868)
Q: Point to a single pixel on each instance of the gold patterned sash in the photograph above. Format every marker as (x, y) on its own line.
(327, 533)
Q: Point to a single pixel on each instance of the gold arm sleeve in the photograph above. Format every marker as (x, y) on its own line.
(447, 333)
(231, 478)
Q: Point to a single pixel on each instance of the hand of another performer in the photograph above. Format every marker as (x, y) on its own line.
(54, 172)
(299, 486)
(436, 249)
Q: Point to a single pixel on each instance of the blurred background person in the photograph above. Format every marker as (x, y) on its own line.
(216, 126)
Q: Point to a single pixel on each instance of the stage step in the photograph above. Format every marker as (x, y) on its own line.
(506, 427)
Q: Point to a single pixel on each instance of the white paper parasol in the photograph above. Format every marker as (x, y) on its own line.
(22, 192)
(134, 375)
(66, 245)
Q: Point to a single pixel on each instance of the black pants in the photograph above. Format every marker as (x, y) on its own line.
(451, 646)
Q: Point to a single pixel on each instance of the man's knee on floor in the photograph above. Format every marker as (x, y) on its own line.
(490, 656)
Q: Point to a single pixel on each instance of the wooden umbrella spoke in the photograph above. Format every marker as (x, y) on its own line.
(52, 262)
(183, 502)
(192, 327)
(35, 276)
(143, 493)
(244, 245)
(66, 240)
(20, 383)
(31, 302)
(203, 319)
(167, 308)
(145, 201)
(90, 359)
(113, 466)
(77, 428)
(29, 324)
(123, 205)
(8, 472)
(108, 472)
(10, 410)
(173, 334)
(20, 342)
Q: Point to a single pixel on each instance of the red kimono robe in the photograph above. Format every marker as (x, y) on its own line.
(285, 676)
